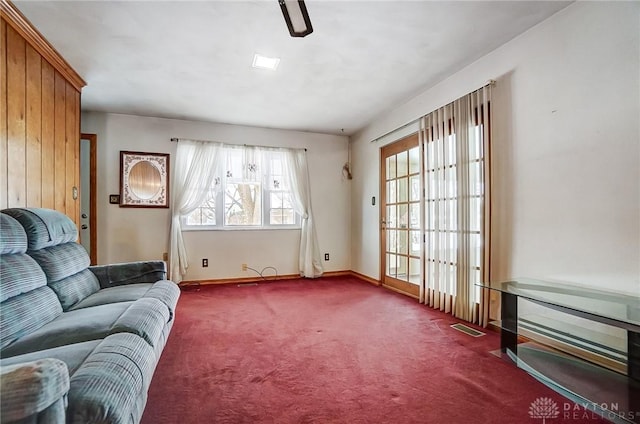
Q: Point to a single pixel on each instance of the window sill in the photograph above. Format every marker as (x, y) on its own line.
(195, 229)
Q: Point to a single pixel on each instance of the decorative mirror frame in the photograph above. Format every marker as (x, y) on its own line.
(128, 197)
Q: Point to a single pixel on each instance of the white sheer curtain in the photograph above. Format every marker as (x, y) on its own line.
(195, 170)
(455, 141)
(298, 175)
(197, 165)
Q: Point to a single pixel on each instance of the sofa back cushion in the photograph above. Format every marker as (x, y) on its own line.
(67, 269)
(27, 302)
(23, 314)
(13, 239)
(51, 239)
(44, 227)
(19, 274)
(73, 289)
(62, 260)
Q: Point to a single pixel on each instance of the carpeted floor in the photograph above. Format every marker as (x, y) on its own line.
(334, 350)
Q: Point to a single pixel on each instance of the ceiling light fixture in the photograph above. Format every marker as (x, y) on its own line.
(264, 62)
(296, 16)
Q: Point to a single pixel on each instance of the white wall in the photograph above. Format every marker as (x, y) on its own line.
(566, 150)
(126, 234)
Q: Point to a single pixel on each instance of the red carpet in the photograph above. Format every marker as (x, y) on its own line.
(333, 350)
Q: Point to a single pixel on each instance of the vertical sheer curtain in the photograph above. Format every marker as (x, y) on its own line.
(455, 140)
(310, 263)
(195, 171)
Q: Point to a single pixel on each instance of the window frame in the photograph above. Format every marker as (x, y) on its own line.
(265, 193)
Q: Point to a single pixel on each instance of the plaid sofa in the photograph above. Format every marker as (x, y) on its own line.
(78, 343)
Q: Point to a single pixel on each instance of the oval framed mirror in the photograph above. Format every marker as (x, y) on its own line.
(144, 179)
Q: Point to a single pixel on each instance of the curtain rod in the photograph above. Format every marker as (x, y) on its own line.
(490, 82)
(176, 140)
(408, 124)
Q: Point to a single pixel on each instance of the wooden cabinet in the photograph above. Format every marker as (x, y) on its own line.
(39, 120)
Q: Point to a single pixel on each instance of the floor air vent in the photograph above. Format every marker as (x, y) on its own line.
(247, 284)
(467, 330)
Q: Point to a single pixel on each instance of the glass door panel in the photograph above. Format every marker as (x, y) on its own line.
(401, 238)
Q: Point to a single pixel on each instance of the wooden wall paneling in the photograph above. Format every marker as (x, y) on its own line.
(72, 146)
(23, 27)
(60, 134)
(16, 129)
(48, 135)
(3, 115)
(34, 128)
(39, 119)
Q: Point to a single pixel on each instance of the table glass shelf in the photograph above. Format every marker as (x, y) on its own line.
(617, 309)
(570, 376)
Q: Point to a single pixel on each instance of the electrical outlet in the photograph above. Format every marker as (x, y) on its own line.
(326, 256)
(244, 267)
(205, 263)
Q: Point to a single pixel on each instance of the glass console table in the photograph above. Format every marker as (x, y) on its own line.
(614, 396)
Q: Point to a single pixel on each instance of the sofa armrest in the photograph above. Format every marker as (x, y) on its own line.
(129, 273)
(35, 389)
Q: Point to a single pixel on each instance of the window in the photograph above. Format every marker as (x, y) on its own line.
(250, 191)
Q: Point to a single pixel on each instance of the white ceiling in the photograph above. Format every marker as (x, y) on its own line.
(192, 60)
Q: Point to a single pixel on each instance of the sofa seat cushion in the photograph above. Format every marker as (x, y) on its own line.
(73, 355)
(108, 386)
(127, 293)
(70, 327)
(164, 290)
